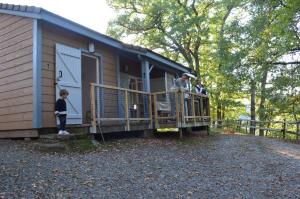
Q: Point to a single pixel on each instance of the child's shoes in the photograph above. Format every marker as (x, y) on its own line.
(66, 133)
(61, 132)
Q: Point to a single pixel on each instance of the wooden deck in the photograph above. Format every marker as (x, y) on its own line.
(171, 109)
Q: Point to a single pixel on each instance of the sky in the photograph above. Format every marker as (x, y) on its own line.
(94, 14)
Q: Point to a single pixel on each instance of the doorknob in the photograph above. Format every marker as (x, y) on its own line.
(59, 75)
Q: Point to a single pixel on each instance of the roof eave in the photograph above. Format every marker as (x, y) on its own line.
(75, 27)
(21, 13)
(153, 56)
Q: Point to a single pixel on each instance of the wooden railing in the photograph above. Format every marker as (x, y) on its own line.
(177, 109)
(121, 98)
(182, 108)
(283, 127)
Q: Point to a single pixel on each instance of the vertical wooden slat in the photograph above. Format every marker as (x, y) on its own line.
(127, 111)
(201, 108)
(180, 133)
(193, 108)
(155, 111)
(177, 106)
(182, 107)
(150, 110)
(137, 98)
(93, 108)
(298, 130)
(208, 107)
(284, 129)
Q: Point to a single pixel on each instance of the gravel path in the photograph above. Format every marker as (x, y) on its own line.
(221, 166)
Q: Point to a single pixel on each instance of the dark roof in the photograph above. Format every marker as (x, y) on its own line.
(20, 8)
(42, 14)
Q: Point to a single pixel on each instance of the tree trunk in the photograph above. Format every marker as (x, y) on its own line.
(294, 113)
(262, 111)
(219, 110)
(253, 115)
(223, 112)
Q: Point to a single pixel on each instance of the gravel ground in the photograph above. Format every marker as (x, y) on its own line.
(220, 166)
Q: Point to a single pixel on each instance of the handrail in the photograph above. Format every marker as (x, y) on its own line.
(294, 127)
(96, 121)
(180, 90)
(267, 121)
(182, 119)
(119, 88)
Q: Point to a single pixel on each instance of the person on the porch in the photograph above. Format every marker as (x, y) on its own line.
(199, 88)
(183, 84)
(61, 111)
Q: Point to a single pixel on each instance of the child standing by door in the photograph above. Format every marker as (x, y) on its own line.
(61, 111)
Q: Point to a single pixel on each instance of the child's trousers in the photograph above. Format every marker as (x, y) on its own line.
(62, 122)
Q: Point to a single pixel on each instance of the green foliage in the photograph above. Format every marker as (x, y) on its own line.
(228, 42)
(80, 145)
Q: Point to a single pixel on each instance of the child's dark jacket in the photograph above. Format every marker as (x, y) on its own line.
(61, 107)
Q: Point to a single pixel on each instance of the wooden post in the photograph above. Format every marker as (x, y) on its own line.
(208, 129)
(201, 108)
(284, 129)
(247, 126)
(155, 111)
(180, 133)
(93, 109)
(208, 106)
(269, 126)
(182, 107)
(297, 131)
(127, 111)
(150, 111)
(193, 109)
(177, 108)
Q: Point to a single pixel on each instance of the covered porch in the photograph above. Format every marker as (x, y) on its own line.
(165, 109)
(144, 98)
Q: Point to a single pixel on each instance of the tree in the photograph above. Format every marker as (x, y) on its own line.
(236, 47)
(177, 28)
(269, 34)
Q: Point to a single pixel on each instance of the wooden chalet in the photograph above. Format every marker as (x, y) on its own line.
(113, 86)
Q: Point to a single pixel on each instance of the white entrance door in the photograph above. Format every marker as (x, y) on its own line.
(68, 76)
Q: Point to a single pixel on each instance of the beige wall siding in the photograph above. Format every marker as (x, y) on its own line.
(52, 35)
(16, 100)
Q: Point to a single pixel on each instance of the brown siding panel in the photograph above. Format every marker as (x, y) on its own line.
(52, 35)
(16, 108)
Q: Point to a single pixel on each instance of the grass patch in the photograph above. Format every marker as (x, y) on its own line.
(163, 130)
(81, 145)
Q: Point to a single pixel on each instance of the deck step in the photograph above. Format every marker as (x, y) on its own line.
(63, 137)
(50, 147)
